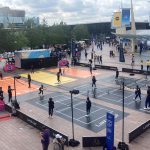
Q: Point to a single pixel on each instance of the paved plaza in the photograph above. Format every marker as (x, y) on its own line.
(106, 97)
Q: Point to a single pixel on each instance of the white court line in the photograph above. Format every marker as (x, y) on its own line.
(60, 101)
(71, 117)
(78, 118)
(133, 101)
(41, 105)
(70, 106)
(52, 97)
(91, 113)
(111, 99)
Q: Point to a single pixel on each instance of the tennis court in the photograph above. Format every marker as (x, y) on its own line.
(95, 122)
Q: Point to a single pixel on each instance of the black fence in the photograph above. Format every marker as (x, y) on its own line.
(136, 71)
(94, 141)
(138, 131)
(98, 66)
(106, 67)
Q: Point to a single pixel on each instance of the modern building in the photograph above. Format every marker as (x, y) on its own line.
(11, 17)
(105, 27)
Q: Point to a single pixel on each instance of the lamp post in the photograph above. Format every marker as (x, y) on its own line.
(122, 145)
(72, 141)
(16, 77)
(72, 52)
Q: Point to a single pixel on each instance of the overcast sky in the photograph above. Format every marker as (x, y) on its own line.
(77, 11)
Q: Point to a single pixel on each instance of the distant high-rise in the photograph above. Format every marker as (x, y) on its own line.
(11, 17)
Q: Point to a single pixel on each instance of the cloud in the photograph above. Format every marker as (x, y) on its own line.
(77, 11)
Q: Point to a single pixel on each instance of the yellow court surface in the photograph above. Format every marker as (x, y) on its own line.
(48, 78)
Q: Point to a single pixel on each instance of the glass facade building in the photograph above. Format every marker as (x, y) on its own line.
(11, 17)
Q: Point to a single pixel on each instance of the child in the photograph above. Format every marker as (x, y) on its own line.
(41, 89)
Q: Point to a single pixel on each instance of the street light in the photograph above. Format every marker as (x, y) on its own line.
(16, 105)
(122, 145)
(72, 141)
(72, 51)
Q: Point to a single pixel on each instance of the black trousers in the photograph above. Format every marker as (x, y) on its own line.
(41, 92)
(138, 95)
(9, 98)
(29, 83)
(45, 146)
(88, 110)
(93, 84)
(147, 102)
(50, 111)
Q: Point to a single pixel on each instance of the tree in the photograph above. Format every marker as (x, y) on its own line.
(20, 40)
(35, 37)
(80, 32)
(59, 33)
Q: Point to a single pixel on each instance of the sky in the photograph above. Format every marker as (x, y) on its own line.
(77, 11)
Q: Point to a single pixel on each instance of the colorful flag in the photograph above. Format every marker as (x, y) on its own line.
(126, 17)
(117, 20)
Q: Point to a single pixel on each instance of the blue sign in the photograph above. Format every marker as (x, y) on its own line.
(126, 17)
(121, 55)
(110, 131)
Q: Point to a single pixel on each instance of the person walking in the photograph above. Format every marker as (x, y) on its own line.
(137, 92)
(117, 73)
(88, 106)
(132, 60)
(86, 55)
(141, 64)
(147, 63)
(147, 101)
(58, 77)
(93, 81)
(45, 138)
(1, 75)
(101, 59)
(90, 69)
(1, 94)
(9, 94)
(60, 71)
(58, 142)
(29, 80)
(50, 107)
(41, 89)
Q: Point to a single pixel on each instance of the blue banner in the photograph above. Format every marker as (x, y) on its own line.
(110, 131)
(121, 55)
(126, 17)
(31, 54)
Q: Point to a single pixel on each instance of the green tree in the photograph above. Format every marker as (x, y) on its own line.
(35, 37)
(20, 40)
(59, 33)
(80, 32)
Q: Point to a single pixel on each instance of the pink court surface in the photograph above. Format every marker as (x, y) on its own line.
(74, 72)
(21, 86)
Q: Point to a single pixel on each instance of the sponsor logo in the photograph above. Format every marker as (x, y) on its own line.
(117, 18)
(31, 122)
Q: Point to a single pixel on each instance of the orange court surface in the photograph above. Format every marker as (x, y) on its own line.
(21, 86)
(74, 72)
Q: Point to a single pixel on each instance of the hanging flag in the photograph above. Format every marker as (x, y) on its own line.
(126, 17)
(121, 55)
(112, 22)
(117, 20)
